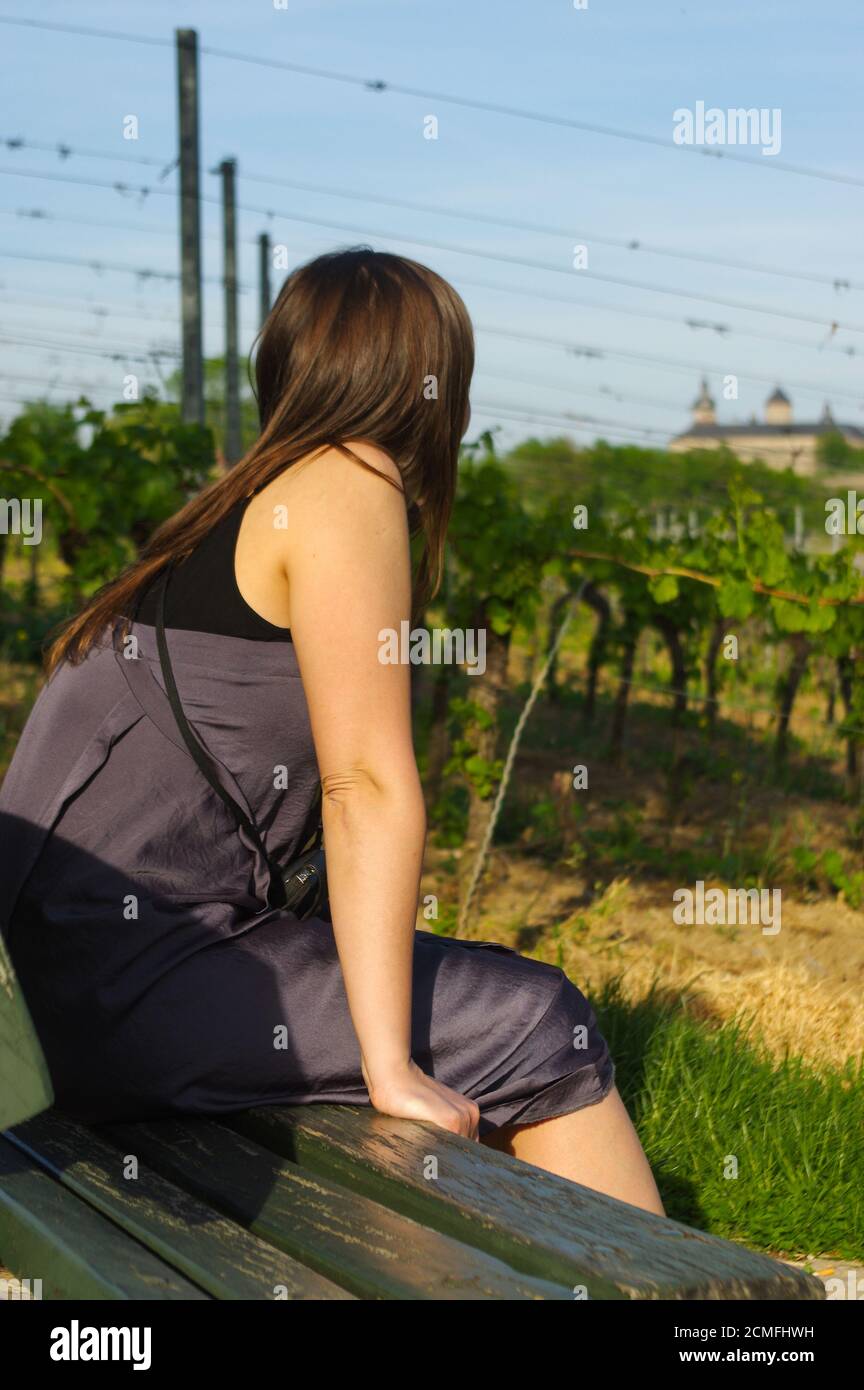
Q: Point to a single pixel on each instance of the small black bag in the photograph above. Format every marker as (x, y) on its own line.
(300, 886)
(305, 884)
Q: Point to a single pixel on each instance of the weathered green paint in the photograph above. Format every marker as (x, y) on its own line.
(369, 1249)
(541, 1224)
(25, 1087)
(217, 1254)
(48, 1233)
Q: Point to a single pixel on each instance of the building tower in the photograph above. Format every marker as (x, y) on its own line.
(778, 409)
(703, 407)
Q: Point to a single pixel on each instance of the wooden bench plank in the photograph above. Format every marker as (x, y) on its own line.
(538, 1223)
(216, 1254)
(25, 1087)
(48, 1233)
(370, 1250)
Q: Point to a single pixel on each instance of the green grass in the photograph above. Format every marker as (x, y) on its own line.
(699, 1094)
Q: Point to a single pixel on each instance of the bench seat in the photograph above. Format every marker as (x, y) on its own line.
(337, 1202)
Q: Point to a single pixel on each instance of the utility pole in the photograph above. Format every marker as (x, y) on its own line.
(192, 400)
(263, 276)
(233, 438)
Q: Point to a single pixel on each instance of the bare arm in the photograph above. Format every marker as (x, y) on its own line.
(348, 568)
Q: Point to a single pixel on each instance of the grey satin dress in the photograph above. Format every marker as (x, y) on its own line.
(135, 912)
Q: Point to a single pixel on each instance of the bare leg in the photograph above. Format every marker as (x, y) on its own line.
(596, 1146)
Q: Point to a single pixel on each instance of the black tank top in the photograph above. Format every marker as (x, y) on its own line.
(203, 595)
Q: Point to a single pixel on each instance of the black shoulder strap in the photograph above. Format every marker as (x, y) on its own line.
(204, 762)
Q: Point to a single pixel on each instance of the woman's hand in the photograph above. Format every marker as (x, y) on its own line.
(410, 1094)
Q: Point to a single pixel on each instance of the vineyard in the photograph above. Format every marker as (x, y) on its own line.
(702, 720)
(744, 619)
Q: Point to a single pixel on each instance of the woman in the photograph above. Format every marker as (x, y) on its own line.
(160, 978)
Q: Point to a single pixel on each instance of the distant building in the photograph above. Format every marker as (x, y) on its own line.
(777, 441)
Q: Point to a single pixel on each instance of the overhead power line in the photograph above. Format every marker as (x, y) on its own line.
(694, 324)
(828, 325)
(143, 190)
(631, 243)
(111, 353)
(506, 415)
(101, 312)
(456, 248)
(74, 304)
(577, 349)
(54, 383)
(121, 268)
(561, 417)
(43, 215)
(721, 330)
(601, 239)
(692, 368)
(65, 151)
(375, 84)
(575, 389)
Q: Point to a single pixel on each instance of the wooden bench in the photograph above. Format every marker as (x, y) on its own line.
(320, 1202)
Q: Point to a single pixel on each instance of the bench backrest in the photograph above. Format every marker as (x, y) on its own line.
(25, 1087)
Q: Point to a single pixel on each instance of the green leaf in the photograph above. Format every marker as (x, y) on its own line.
(664, 588)
(735, 598)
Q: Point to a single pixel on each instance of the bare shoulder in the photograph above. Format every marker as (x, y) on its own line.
(323, 521)
(329, 515)
(332, 477)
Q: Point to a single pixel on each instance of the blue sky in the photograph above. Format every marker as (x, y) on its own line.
(627, 65)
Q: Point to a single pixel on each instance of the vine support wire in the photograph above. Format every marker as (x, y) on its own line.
(511, 756)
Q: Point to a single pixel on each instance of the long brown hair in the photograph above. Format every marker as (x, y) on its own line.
(360, 345)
